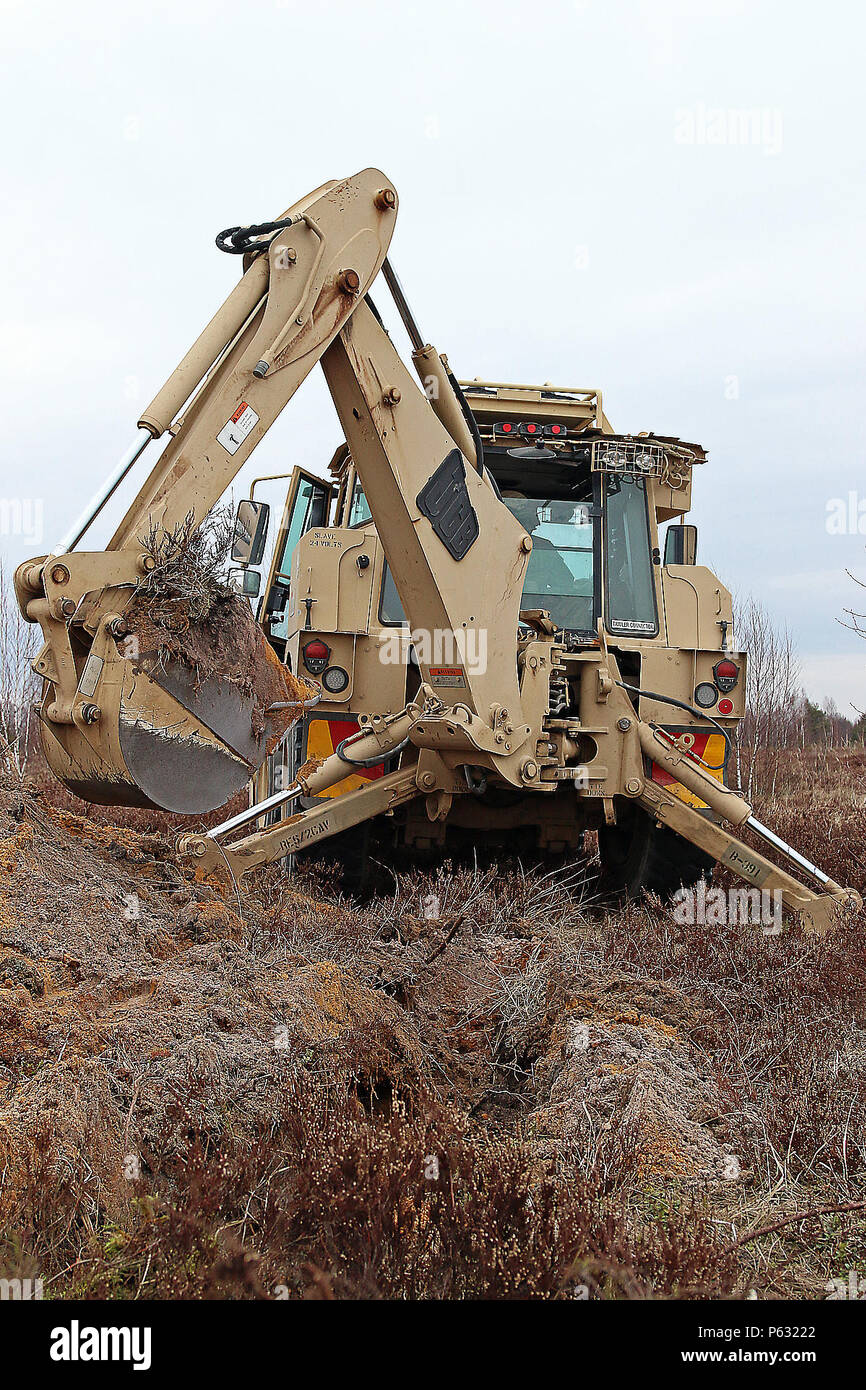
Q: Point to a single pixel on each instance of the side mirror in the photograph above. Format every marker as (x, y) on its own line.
(246, 582)
(251, 532)
(681, 545)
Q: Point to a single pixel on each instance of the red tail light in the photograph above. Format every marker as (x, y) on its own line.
(726, 674)
(530, 427)
(316, 655)
(555, 431)
(504, 427)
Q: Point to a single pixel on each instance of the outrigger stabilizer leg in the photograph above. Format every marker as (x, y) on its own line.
(381, 737)
(377, 739)
(816, 910)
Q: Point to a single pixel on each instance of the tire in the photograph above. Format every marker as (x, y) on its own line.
(637, 855)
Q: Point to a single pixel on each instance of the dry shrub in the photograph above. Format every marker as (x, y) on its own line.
(434, 1022)
(189, 564)
(783, 1018)
(19, 644)
(331, 1203)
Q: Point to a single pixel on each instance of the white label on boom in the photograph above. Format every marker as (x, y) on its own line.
(235, 430)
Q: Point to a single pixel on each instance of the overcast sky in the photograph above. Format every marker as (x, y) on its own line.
(664, 200)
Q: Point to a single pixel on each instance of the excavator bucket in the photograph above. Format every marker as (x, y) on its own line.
(192, 751)
(217, 733)
(167, 732)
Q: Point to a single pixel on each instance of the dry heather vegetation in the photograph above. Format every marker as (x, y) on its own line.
(480, 1085)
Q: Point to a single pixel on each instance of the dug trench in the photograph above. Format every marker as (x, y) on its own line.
(477, 1085)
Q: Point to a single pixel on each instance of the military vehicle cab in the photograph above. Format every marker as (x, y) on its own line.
(592, 502)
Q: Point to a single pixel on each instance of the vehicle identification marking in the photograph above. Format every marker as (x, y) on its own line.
(450, 677)
(744, 865)
(235, 430)
(307, 832)
(90, 676)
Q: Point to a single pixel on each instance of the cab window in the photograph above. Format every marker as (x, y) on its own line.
(310, 509)
(359, 511)
(559, 576)
(391, 611)
(629, 589)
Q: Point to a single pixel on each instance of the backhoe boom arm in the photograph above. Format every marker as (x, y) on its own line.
(116, 732)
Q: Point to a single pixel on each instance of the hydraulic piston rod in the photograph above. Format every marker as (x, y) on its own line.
(390, 276)
(109, 487)
(253, 812)
(365, 746)
(786, 849)
(432, 372)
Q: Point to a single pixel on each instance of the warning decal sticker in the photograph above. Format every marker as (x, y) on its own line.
(235, 430)
(447, 676)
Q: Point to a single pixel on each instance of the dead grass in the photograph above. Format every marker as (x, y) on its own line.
(479, 1085)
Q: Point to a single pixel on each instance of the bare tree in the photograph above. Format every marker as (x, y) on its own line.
(19, 642)
(856, 625)
(772, 693)
(857, 619)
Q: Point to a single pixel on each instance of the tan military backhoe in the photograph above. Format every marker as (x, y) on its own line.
(489, 643)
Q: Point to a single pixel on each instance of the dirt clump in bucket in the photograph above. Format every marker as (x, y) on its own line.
(185, 611)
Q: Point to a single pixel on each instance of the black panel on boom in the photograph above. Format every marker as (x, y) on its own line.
(444, 500)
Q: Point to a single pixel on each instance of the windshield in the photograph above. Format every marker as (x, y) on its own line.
(560, 574)
(628, 568)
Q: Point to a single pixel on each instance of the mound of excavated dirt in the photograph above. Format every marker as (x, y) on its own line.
(128, 988)
(601, 1065)
(632, 1074)
(125, 985)
(618, 1063)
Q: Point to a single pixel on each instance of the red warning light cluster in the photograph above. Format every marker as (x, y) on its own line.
(726, 674)
(530, 429)
(316, 656)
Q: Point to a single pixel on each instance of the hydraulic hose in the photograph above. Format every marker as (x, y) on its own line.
(472, 424)
(691, 709)
(367, 762)
(239, 241)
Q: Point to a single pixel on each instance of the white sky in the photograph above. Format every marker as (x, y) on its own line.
(580, 204)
